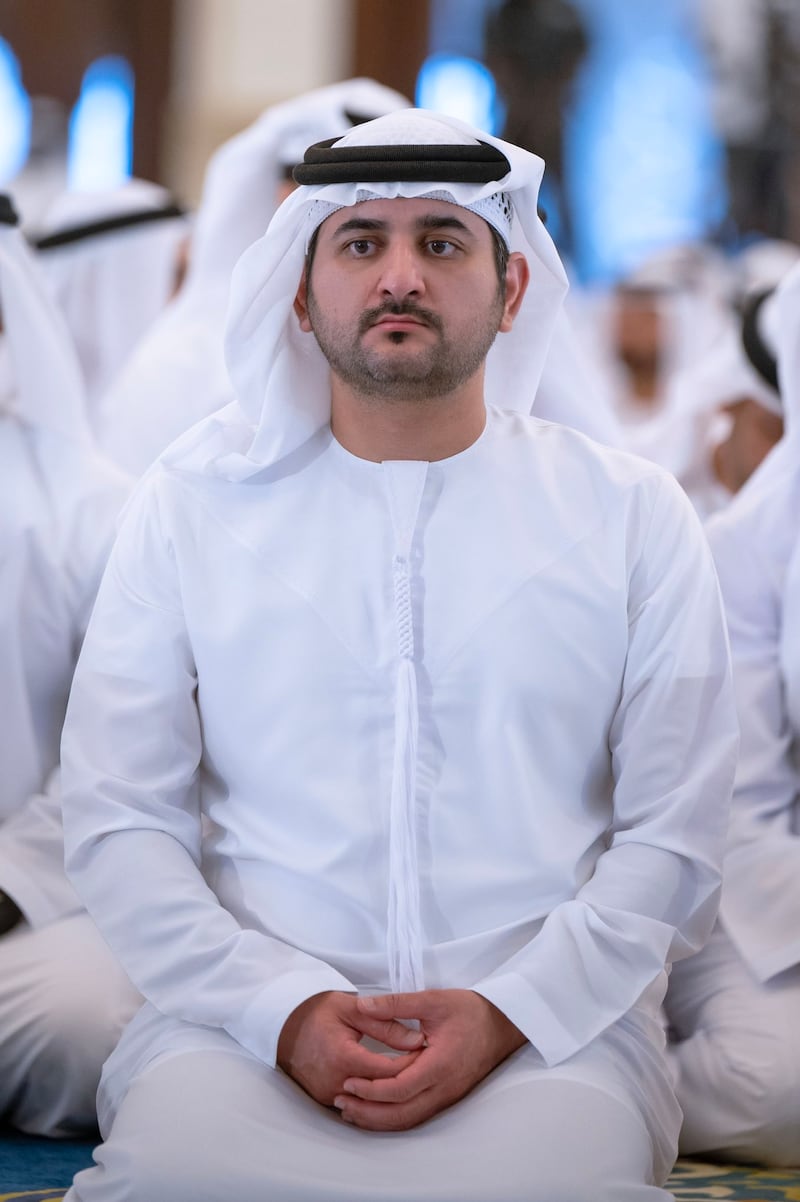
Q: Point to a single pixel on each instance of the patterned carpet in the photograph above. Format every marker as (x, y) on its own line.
(694, 1182)
(46, 1195)
(691, 1182)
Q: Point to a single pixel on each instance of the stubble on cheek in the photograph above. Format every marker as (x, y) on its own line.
(386, 366)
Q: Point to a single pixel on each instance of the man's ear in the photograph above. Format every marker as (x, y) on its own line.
(517, 276)
(301, 303)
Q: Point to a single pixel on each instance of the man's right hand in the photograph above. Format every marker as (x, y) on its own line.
(10, 913)
(319, 1045)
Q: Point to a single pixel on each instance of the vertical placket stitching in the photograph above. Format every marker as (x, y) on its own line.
(404, 935)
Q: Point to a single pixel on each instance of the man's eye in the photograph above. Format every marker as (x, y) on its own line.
(440, 247)
(360, 247)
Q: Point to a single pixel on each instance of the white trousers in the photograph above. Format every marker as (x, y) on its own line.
(210, 1126)
(736, 1057)
(63, 1004)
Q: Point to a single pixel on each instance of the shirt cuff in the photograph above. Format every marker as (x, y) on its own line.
(259, 1026)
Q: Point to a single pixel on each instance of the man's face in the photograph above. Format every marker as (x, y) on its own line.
(403, 297)
(639, 328)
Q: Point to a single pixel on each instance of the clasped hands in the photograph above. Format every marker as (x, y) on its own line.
(461, 1038)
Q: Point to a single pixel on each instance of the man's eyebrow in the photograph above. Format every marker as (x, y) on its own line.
(440, 222)
(359, 224)
(432, 221)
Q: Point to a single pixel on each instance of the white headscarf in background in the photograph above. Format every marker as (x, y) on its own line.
(280, 375)
(780, 472)
(761, 265)
(740, 365)
(177, 375)
(756, 272)
(58, 508)
(726, 375)
(41, 384)
(111, 259)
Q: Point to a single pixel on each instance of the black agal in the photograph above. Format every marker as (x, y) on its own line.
(108, 225)
(327, 163)
(757, 351)
(8, 214)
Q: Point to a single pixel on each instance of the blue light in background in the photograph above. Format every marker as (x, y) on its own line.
(15, 116)
(101, 127)
(456, 26)
(645, 167)
(460, 87)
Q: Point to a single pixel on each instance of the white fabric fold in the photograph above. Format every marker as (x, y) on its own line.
(404, 936)
(405, 482)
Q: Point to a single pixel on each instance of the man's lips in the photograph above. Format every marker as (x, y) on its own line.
(387, 321)
(393, 321)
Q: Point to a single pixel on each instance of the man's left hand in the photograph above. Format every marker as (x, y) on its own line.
(466, 1037)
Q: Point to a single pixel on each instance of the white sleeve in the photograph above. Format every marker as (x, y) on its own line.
(654, 893)
(131, 757)
(761, 896)
(89, 535)
(32, 858)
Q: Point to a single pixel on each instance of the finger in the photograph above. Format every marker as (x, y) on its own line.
(387, 1006)
(393, 1034)
(378, 1116)
(409, 1083)
(362, 1064)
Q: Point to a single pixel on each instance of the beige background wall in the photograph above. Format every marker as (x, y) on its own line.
(233, 58)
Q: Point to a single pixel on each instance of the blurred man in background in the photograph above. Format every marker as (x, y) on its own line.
(534, 49)
(63, 997)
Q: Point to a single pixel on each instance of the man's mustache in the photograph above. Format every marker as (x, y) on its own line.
(395, 309)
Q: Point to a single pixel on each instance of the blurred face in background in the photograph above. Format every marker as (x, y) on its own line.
(638, 337)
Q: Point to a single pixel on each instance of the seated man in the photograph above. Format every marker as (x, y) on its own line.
(734, 1008)
(414, 714)
(63, 998)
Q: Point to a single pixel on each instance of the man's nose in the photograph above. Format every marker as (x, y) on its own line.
(401, 272)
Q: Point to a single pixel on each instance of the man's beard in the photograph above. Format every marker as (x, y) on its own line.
(433, 371)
